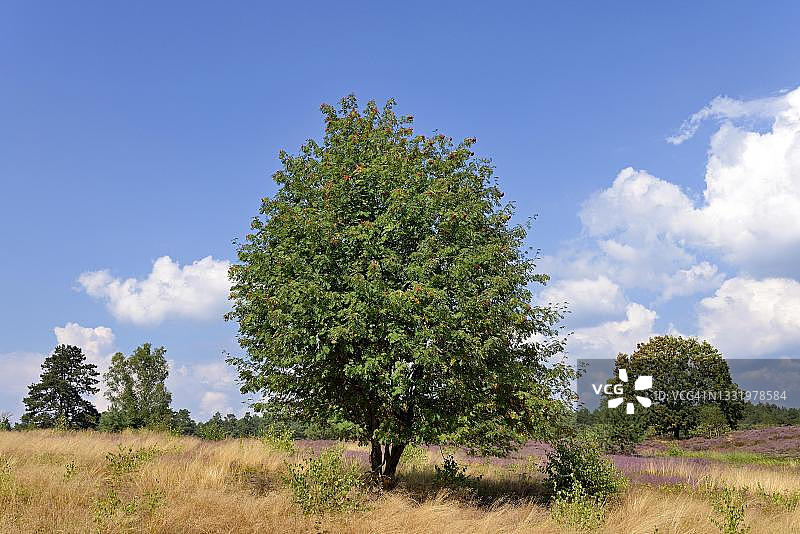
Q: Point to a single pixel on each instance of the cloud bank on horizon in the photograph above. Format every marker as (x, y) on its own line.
(736, 251)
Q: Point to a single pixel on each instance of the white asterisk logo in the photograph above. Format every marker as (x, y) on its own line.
(642, 383)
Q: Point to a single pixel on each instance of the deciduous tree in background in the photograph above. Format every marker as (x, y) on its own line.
(384, 286)
(57, 399)
(685, 365)
(136, 390)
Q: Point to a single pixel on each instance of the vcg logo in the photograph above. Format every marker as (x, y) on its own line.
(642, 383)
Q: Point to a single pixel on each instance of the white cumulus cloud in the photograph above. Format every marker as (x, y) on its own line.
(748, 317)
(587, 299)
(214, 401)
(696, 279)
(95, 342)
(649, 233)
(609, 338)
(197, 291)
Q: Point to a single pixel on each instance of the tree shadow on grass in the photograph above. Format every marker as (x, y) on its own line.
(494, 487)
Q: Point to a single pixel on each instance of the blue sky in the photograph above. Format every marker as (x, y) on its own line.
(131, 132)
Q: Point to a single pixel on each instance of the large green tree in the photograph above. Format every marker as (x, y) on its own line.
(687, 374)
(383, 286)
(136, 390)
(57, 399)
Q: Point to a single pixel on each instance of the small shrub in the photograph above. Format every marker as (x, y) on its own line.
(6, 469)
(454, 476)
(254, 478)
(128, 460)
(414, 457)
(10, 488)
(69, 470)
(576, 464)
(782, 500)
(153, 499)
(61, 423)
(729, 506)
(111, 503)
(711, 422)
(5, 423)
(277, 439)
(327, 483)
(105, 507)
(534, 465)
(574, 509)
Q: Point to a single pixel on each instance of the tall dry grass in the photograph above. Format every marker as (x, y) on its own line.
(60, 482)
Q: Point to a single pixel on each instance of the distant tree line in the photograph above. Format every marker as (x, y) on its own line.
(135, 387)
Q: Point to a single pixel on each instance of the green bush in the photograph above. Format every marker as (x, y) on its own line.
(620, 438)
(454, 476)
(575, 464)
(729, 506)
(69, 470)
(576, 510)
(128, 460)
(711, 422)
(327, 483)
(277, 439)
(618, 432)
(339, 430)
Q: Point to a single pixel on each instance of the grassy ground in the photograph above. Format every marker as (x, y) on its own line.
(68, 482)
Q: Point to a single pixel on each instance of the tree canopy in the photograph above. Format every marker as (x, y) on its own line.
(687, 374)
(384, 286)
(57, 399)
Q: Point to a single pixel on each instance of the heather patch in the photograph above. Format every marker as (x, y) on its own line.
(775, 441)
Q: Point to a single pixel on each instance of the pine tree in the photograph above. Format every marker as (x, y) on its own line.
(57, 399)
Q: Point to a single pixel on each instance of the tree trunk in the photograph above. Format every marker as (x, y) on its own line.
(390, 469)
(384, 461)
(676, 433)
(376, 458)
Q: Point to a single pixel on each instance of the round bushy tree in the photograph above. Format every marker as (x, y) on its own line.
(687, 373)
(383, 286)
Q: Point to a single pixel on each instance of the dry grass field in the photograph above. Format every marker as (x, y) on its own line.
(53, 481)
